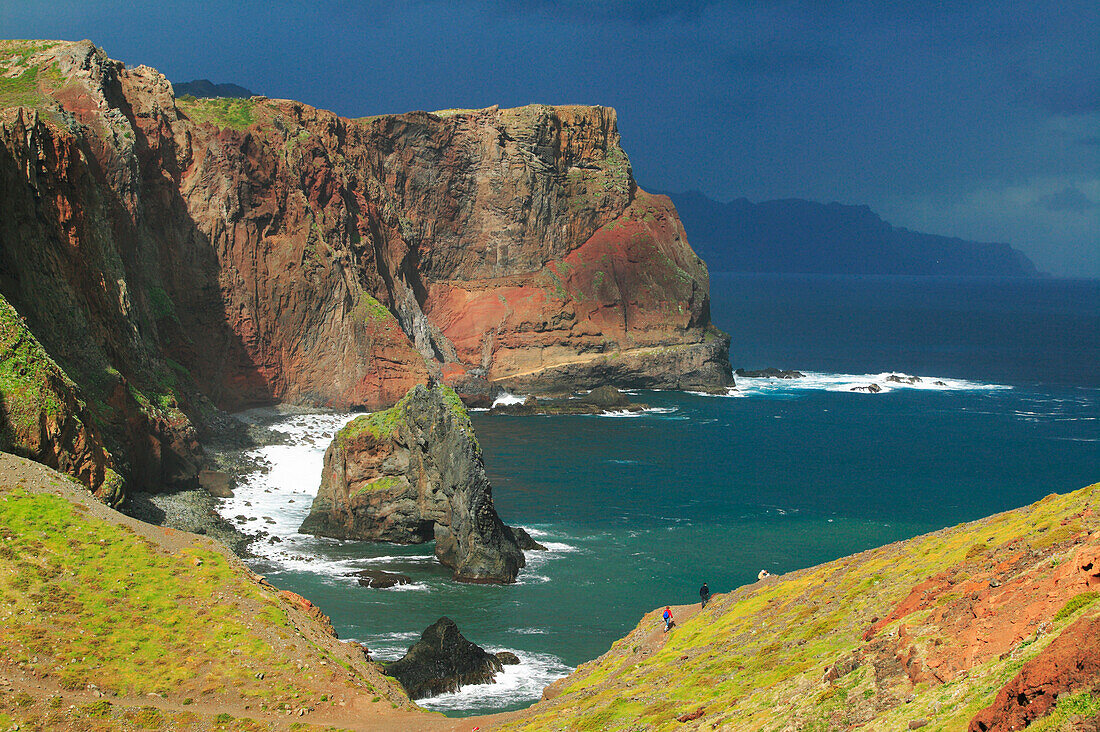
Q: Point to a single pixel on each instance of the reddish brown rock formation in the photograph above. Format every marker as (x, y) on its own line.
(256, 251)
(307, 607)
(1070, 662)
(987, 606)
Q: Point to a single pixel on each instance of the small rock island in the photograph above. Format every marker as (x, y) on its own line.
(413, 473)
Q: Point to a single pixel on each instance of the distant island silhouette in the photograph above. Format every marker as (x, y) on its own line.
(206, 89)
(798, 236)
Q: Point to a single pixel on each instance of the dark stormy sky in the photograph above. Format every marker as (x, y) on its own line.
(975, 119)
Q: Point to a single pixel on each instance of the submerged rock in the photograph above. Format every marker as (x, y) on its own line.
(379, 580)
(872, 388)
(894, 378)
(411, 474)
(443, 661)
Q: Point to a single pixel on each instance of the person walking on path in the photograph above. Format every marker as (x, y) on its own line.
(704, 595)
(669, 622)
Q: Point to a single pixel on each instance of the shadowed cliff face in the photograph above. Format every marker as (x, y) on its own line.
(257, 251)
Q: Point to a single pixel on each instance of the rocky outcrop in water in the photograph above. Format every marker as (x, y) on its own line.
(173, 255)
(411, 474)
(443, 661)
(769, 373)
(601, 400)
(380, 580)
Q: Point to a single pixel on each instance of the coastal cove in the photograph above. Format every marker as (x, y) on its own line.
(637, 511)
(348, 417)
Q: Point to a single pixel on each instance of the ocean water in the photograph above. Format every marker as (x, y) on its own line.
(639, 510)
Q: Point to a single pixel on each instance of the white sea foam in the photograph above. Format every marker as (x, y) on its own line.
(816, 381)
(505, 398)
(519, 683)
(637, 413)
(278, 498)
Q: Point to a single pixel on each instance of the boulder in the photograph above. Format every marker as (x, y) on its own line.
(411, 474)
(871, 388)
(1070, 663)
(894, 378)
(442, 661)
(508, 658)
(379, 580)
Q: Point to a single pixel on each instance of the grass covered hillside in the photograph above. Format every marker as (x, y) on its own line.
(995, 621)
(110, 623)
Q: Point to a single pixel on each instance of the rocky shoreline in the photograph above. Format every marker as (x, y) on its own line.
(227, 452)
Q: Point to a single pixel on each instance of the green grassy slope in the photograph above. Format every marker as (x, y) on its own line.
(98, 610)
(757, 658)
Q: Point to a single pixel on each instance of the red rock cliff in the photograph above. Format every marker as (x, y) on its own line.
(168, 251)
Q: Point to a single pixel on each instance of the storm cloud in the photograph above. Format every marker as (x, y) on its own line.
(937, 115)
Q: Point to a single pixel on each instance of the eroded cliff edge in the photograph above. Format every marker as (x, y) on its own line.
(176, 255)
(411, 474)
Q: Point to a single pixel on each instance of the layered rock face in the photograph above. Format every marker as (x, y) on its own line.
(252, 251)
(411, 474)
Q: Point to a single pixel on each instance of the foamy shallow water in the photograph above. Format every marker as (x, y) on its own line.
(817, 381)
(810, 381)
(277, 499)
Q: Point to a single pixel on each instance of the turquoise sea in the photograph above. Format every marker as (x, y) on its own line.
(638, 511)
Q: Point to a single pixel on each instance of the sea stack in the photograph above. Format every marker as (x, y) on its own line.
(411, 474)
(443, 661)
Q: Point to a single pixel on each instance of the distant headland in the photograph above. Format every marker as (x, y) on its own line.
(805, 237)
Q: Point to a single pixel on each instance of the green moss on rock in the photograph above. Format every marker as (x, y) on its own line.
(27, 376)
(379, 425)
(385, 483)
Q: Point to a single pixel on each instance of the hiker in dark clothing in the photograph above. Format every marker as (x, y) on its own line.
(704, 594)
